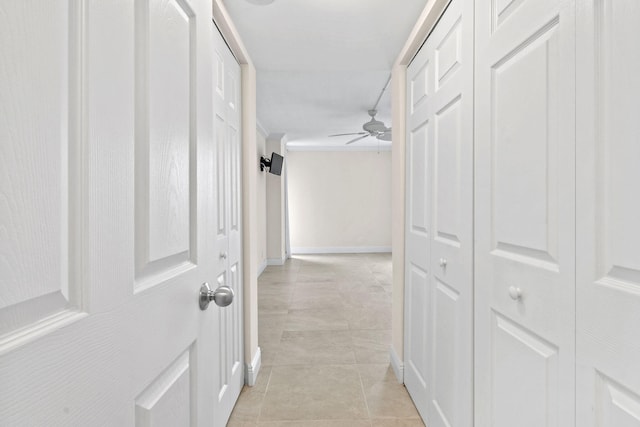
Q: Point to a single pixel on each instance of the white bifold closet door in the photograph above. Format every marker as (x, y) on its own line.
(439, 266)
(525, 213)
(608, 221)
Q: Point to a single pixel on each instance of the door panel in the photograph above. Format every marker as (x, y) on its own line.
(525, 214)
(165, 139)
(107, 150)
(38, 168)
(523, 150)
(608, 233)
(168, 400)
(438, 308)
(531, 385)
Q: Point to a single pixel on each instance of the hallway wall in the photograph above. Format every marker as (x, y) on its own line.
(339, 201)
(261, 142)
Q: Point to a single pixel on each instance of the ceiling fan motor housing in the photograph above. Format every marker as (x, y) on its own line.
(374, 126)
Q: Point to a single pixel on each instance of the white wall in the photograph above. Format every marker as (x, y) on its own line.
(339, 201)
(261, 143)
(275, 204)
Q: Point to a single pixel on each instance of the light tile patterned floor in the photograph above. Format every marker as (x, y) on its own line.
(324, 332)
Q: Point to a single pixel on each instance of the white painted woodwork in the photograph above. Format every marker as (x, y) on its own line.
(107, 216)
(439, 234)
(608, 230)
(418, 233)
(229, 377)
(39, 143)
(525, 213)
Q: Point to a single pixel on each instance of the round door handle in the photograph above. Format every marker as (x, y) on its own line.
(515, 293)
(443, 262)
(223, 255)
(222, 296)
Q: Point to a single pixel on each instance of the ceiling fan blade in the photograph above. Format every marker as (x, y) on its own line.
(358, 138)
(354, 133)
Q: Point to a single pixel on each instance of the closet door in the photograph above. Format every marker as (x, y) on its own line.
(451, 312)
(525, 213)
(418, 231)
(229, 375)
(439, 297)
(608, 228)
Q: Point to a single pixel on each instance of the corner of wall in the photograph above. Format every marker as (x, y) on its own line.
(397, 365)
(253, 369)
(398, 99)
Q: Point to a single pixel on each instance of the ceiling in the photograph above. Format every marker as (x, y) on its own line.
(321, 64)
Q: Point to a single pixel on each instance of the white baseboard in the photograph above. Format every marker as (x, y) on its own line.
(252, 371)
(397, 365)
(276, 261)
(261, 267)
(341, 250)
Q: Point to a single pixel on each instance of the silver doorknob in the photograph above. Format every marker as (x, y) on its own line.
(443, 262)
(515, 293)
(222, 296)
(223, 255)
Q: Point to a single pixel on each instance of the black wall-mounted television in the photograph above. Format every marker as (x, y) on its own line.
(276, 164)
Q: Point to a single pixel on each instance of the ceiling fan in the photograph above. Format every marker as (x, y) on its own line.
(372, 128)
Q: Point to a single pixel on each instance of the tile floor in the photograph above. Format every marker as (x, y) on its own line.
(324, 333)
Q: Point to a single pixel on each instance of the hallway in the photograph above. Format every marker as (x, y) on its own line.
(325, 331)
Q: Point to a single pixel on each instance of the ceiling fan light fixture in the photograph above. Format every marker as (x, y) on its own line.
(373, 126)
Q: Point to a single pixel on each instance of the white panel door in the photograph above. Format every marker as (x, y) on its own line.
(451, 311)
(608, 227)
(229, 379)
(439, 294)
(525, 213)
(106, 132)
(419, 151)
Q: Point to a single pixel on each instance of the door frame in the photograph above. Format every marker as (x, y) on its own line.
(252, 358)
(423, 27)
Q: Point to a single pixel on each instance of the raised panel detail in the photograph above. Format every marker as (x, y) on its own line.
(234, 176)
(525, 376)
(40, 182)
(219, 75)
(447, 185)
(419, 87)
(236, 312)
(524, 132)
(503, 9)
(418, 182)
(221, 174)
(418, 295)
(448, 54)
(224, 335)
(618, 100)
(169, 400)
(445, 355)
(165, 138)
(232, 99)
(616, 405)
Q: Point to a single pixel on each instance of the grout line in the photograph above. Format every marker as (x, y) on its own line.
(264, 395)
(364, 395)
